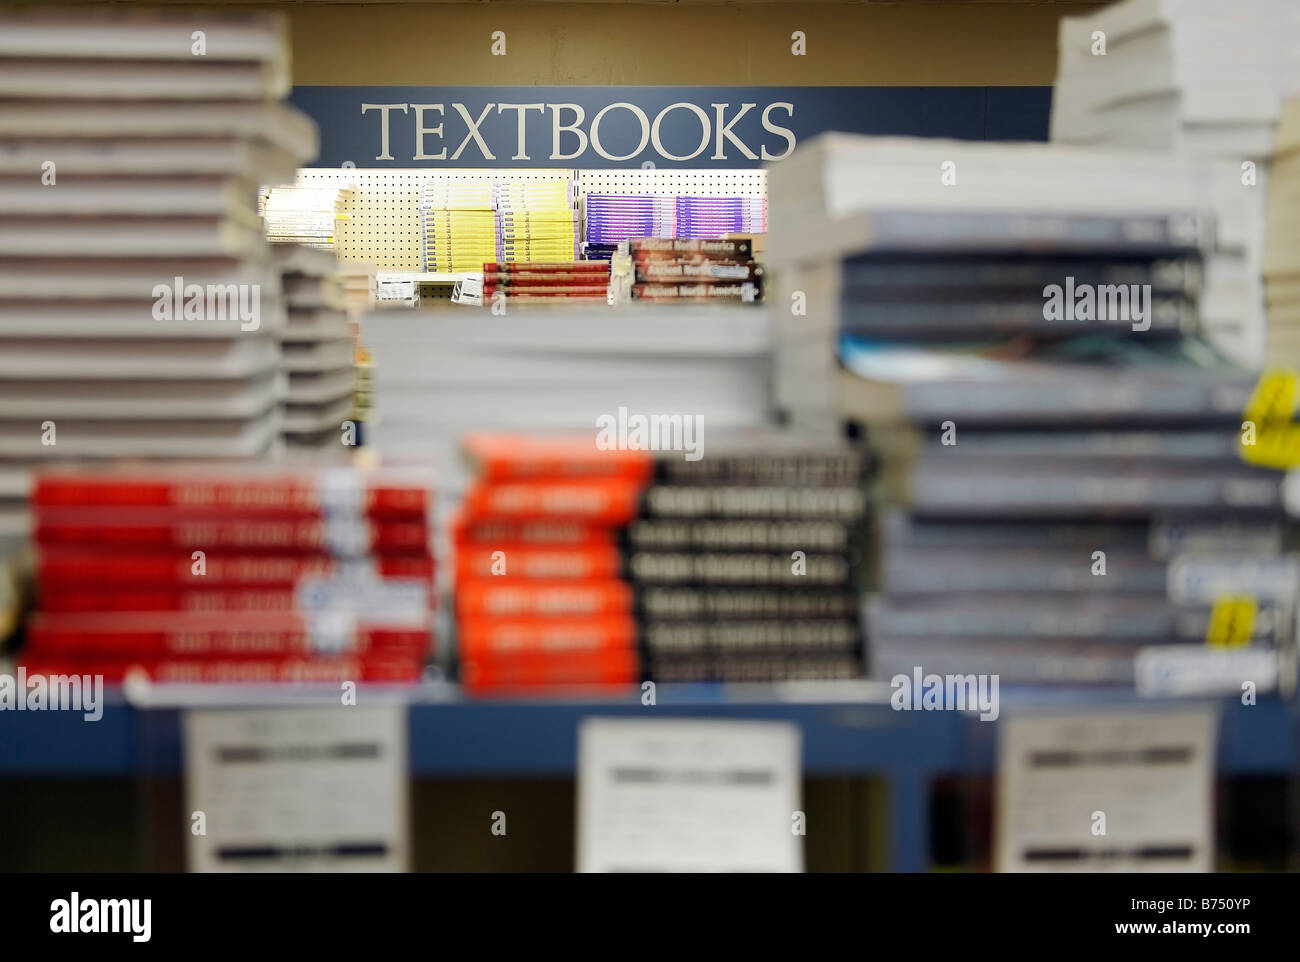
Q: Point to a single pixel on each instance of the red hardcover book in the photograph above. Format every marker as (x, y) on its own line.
(60, 569)
(153, 635)
(146, 530)
(512, 457)
(492, 597)
(375, 669)
(248, 496)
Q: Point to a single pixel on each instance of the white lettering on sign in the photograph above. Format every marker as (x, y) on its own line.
(572, 134)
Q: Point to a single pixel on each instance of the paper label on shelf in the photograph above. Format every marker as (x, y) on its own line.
(1196, 579)
(1179, 670)
(674, 795)
(1125, 792)
(297, 789)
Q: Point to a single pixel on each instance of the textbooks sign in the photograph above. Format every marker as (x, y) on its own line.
(601, 127)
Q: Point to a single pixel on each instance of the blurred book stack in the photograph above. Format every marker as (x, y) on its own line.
(317, 348)
(691, 270)
(550, 369)
(225, 575)
(833, 199)
(458, 225)
(746, 562)
(536, 221)
(541, 282)
(1059, 447)
(541, 602)
(1282, 243)
(1196, 78)
(304, 215)
(359, 279)
(140, 311)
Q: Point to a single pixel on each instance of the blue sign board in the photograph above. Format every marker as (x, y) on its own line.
(601, 127)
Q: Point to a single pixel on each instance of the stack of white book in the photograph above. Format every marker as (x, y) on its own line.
(358, 286)
(1195, 77)
(305, 215)
(824, 202)
(442, 374)
(1282, 243)
(317, 349)
(140, 312)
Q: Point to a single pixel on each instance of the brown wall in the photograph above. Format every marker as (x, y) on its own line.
(596, 44)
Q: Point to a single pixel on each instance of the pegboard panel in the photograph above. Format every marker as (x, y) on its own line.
(383, 216)
(382, 224)
(695, 183)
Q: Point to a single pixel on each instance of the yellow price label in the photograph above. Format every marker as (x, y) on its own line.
(1231, 621)
(1274, 397)
(1274, 446)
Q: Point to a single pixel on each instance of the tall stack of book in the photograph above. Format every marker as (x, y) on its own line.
(1196, 78)
(217, 575)
(830, 199)
(677, 271)
(304, 215)
(746, 562)
(317, 349)
(541, 282)
(458, 225)
(139, 309)
(1059, 448)
(717, 216)
(1282, 243)
(556, 369)
(541, 602)
(613, 218)
(536, 221)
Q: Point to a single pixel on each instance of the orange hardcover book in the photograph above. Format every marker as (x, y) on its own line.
(478, 597)
(537, 562)
(503, 457)
(610, 501)
(527, 673)
(532, 637)
(572, 534)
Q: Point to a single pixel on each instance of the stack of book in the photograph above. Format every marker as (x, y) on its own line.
(831, 200)
(458, 225)
(304, 215)
(541, 602)
(1193, 77)
(1059, 448)
(536, 221)
(676, 271)
(555, 369)
(613, 218)
(1185, 75)
(1281, 243)
(359, 279)
(717, 216)
(540, 282)
(317, 349)
(139, 309)
(212, 575)
(746, 562)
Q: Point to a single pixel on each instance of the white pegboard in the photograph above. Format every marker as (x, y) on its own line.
(382, 220)
(692, 183)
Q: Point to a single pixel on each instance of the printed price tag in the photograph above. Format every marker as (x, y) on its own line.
(1231, 621)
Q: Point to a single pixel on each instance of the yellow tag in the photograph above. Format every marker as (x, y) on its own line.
(1276, 446)
(1274, 397)
(1231, 621)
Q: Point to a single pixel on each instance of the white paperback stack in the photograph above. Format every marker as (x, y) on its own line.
(1200, 78)
(1282, 243)
(822, 201)
(316, 347)
(139, 308)
(305, 215)
(440, 375)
